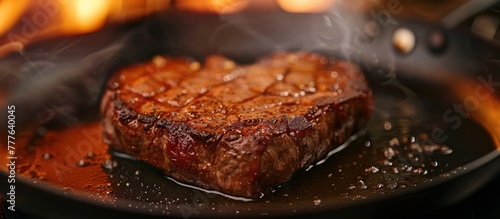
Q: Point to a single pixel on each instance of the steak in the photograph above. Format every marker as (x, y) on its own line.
(241, 130)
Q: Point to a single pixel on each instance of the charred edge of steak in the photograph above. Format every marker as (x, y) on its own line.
(246, 157)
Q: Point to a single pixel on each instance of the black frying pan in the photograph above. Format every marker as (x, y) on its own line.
(413, 92)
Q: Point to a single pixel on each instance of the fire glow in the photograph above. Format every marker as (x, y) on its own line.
(306, 6)
(34, 20)
(481, 103)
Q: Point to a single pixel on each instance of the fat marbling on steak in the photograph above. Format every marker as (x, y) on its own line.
(240, 130)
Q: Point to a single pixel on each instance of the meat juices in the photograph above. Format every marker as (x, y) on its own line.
(241, 130)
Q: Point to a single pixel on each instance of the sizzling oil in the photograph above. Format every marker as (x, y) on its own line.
(70, 159)
(77, 159)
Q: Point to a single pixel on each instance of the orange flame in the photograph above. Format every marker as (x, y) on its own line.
(306, 6)
(82, 16)
(14, 10)
(212, 6)
(32, 20)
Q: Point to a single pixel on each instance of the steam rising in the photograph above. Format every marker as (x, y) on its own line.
(61, 79)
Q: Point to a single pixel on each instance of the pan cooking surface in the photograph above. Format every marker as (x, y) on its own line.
(399, 154)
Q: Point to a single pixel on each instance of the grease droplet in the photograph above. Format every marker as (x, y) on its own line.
(317, 202)
(387, 126)
(82, 163)
(46, 156)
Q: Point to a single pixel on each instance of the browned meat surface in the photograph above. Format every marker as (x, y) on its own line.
(240, 130)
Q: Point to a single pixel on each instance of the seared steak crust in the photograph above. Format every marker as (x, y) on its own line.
(237, 129)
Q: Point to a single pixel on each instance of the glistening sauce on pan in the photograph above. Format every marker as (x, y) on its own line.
(71, 158)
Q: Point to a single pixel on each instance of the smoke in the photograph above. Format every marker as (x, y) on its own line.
(61, 79)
